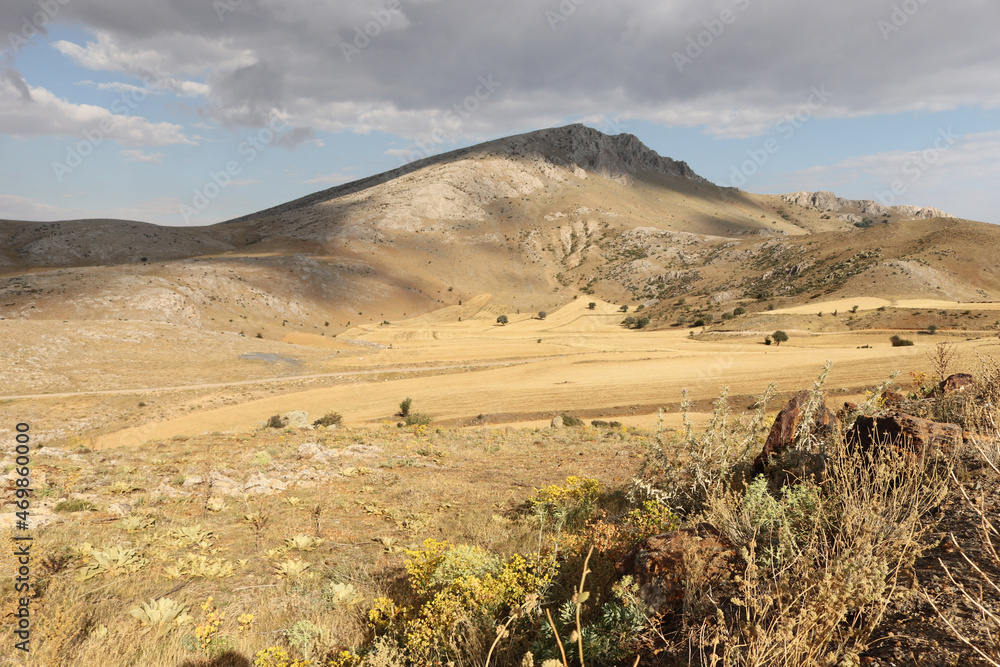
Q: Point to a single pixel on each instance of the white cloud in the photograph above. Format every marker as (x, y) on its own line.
(34, 111)
(133, 155)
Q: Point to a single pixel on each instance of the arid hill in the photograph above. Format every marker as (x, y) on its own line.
(535, 220)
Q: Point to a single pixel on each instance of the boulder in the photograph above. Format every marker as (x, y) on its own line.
(193, 480)
(786, 424)
(296, 419)
(557, 422)
(222, 485)
(215, 504)
(121, 509)
(659, 565)
(259, 485)
(957, 383)
(902, 432)
(309, 450)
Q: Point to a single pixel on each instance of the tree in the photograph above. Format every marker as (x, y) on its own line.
(854, 309)
(591, 305)
(404, 407)
(502, 320)
(932, 329)
(767, 340)
(542, 314)
(641, 322)
(624, 308)
(739, 311)
(779, 337)
(629, 322)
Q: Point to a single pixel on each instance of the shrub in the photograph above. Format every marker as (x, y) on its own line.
(591, 306)
(767, 340)
(779, 337)
(276, 422)
(570, 420)
(932, 329)
(417, 419)
(404, 407)
(900, 342)
(330, 419)
(624, 309)
(739, 311)
(629, 322)
(542, 314)
(700, 322)
(502, 320)
(68, 506)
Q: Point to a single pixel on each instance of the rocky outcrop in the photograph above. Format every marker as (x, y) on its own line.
(855, 211)
(660, 564)
(957, 383)
(786, 426)
(902, 432)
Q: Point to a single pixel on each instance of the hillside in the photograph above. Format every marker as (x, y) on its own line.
(535, 220)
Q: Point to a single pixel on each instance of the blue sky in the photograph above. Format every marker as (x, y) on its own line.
(185, 112)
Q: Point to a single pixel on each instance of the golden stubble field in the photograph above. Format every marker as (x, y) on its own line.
(457, 364)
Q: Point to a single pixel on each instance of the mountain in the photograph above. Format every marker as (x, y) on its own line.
(534, 220)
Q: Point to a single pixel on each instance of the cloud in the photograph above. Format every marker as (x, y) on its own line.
(366, 67)
(132, 155)
(33, 111)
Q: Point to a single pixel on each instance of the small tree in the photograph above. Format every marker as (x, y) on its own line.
(404, 407)
(542, 314)
(932, 329)
(779, 337)
(854, 309)
(739, 311)
(641, 322)
(624, 308)
(767, 340)
(502, 320)
(591, 306)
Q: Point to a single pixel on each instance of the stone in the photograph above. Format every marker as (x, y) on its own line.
(309, 450)
(364, 451)
(658, 565)
(51, 451)
(902, 432)
(782, 435)
(168, 491)
(193, 480)
(215, 504)
(222, 485)
(557, 422)
(296, 419)
(957, 383)
(121, 509)
(259, 485)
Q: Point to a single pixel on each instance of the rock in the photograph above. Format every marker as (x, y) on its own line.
(121, 509)
(39, 517)
(259, 485)
(168, 491)
(902, 432)
(309, 450)
(215, 504)
(957, 383)
(193, 480)
(51, 451)
(782, 435)
(296, 419)
(557, 422)
(364, 451)
(222, 485)
(659, 565)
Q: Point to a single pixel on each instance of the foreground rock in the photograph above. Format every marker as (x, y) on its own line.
(903, 432)
(957, 383)
(661, 565)
(786, 425)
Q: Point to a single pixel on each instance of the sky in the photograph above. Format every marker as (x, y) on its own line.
(191, 112)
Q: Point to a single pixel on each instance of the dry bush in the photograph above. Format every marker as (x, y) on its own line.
(982, 570)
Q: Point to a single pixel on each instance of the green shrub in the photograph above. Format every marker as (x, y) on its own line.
(779, 337)
(417, 419)
(68, 506)
(900, 342)
(570, 420)
(276, 422)
(404, 407)
(502, 320)
(330, 419)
